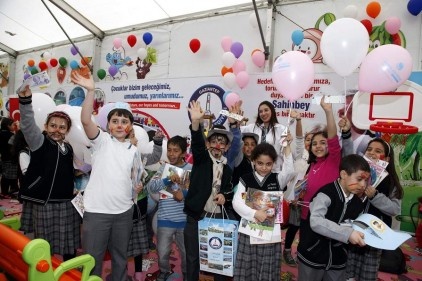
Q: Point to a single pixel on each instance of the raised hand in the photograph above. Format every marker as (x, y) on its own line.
(344, 124)
(195, 110)
(82, 81)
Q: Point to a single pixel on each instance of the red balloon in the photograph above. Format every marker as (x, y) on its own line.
(131, 40)
(194, 45)
(42, 65)
(368, 25)
(53, 62)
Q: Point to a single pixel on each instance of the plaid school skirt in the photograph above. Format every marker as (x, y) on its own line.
(27, 224)
(59, 224)
(363, 263)
(257, 262)
(138, 243)
(10, 170)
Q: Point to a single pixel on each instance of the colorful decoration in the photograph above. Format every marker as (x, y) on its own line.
(131, 40)
(373, 9)
(101, 73)
(147, 37)
(194, 45)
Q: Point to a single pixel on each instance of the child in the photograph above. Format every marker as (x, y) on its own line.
(322, 249)
(261, 261)
(171, 218)
(243, 163)
(108, 197)
(48, 181)
(138, 243)
(210, 184)
(21, 151)
(9, 177)
(384, 202)
(324, 158)
(242, 166)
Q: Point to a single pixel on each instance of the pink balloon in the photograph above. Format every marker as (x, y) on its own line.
(392, 25)
(231, 99)
(258, 58)
(384, 69)
(117, 43)
(238, 66)
(226, 43)
(102, 115)
(293, 74)
(242, 79)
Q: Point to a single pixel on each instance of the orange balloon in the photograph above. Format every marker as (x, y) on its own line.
(31, 63)
(373, 9)
(224, 70)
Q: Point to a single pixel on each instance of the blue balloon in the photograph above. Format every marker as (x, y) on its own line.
(414, 7)
(147, 37)
(74, 64)
(297, 37)
(225, 95)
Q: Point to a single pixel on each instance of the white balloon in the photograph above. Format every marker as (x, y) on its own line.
(142, 53)
(77, 133)
(46, 55)
(43, 105)
(351, 11)
(229, 80)
(141, 135)
(344, 45)
(228, 59)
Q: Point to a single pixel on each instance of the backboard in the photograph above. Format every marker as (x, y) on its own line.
(391, 112)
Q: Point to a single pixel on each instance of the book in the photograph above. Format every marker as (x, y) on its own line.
(137, 173)
(275, 238)
(172, 171)
(258, 199)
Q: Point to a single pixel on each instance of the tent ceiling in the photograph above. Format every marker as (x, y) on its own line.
(27, 25)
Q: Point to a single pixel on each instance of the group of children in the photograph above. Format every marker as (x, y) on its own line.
(220, 174)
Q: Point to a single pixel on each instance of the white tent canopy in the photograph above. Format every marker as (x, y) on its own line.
(28, 25)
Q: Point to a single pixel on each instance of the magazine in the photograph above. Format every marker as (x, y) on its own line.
(258, 199)
(378, 172)
(169, 172)
(300, 189)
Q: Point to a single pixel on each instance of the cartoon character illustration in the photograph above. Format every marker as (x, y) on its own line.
(116, 59)
(312, 39)
(143, 67)
(379, 36)
(311, 44)
(4, 75)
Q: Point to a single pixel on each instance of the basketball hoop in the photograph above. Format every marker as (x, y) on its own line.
(393, 128)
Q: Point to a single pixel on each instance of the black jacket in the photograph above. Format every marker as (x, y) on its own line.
(201, 178)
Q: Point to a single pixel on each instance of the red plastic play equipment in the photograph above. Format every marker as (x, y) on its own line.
(30, 260)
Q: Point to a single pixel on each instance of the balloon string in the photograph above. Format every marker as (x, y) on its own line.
(346, 107)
